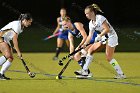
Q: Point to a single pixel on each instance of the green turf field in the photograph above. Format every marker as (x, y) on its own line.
(45, 81)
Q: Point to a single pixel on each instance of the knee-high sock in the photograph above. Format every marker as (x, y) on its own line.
(58, 49)
(2, 60)
(89, 59)
(81, 62)
(116, 66)
(5, 67)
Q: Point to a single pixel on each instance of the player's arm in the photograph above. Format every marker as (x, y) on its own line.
(80, 27)
(15, 43)
(89, 37)
(58, 26)
(105, 29)
(71, 40)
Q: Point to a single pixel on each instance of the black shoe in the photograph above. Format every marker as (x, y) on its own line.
(3, 77)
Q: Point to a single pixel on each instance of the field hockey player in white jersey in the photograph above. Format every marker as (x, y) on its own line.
(9, 33)
(101, 24)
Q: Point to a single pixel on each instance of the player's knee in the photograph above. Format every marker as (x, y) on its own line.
(10, 57)
(76, 57)
(90, 52)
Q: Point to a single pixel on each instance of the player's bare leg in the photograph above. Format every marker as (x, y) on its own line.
(5, 62)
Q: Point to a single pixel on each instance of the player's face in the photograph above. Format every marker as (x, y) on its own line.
(89, 14)
(27, 23)
(65, 25)
(63, 12)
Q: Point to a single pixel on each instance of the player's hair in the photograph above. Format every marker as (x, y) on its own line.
(26, 16)
(95, 8)
(66, 19)
(63, 8)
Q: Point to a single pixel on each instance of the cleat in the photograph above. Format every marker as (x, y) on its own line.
(3, 77)
(55, 58)
(81, 77)
(90, 75)
(78, 72)
(81, 72)
(120, 76)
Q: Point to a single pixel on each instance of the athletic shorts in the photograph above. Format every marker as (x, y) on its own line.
(63, 35)
(113, 40)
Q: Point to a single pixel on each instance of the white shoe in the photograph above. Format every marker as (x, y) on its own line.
(90, 75)
(81, 72)
(81, 77)
(84, 72)
(120, 76)
(78, 72)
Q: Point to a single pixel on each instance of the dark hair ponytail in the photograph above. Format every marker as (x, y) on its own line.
(26, 16)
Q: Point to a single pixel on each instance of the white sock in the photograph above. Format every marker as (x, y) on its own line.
(116, 66)
(2, 60)
(89, 59)
(5, 67)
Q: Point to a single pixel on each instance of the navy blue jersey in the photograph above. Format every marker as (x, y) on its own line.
(75, 32)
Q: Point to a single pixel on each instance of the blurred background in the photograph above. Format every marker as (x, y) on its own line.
(122, 14)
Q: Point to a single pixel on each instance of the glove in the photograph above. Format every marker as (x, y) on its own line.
(98, 38)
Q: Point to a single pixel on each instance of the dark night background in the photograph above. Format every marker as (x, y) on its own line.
(122, 14)
(118, 12)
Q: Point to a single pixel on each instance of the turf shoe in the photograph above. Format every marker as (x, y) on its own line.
(82, 72)
(120, 76)
(79, 72)
(3, 77)
(90, 75)
(55, 58)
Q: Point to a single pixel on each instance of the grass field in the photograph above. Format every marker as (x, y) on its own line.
(46, 69)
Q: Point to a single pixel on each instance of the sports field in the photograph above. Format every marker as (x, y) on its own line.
(47, 69)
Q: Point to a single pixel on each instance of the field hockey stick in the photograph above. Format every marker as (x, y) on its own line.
(51, 36)
(31, 74)
(64, 58)
(62, 71)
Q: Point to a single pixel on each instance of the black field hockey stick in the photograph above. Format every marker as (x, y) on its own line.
(31, 74)
(65, 57)
(62, 71)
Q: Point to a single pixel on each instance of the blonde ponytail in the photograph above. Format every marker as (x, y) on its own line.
(95, 6)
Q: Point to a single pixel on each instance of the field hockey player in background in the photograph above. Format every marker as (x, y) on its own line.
(63, 36)
(9, 33)
(101, 24)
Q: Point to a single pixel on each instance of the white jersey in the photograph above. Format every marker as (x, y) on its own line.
(97, 26)
(10, 29)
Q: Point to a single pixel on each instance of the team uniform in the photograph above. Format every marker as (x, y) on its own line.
(6, 35)
(97, 26)
(76, 33)
(63, 33)
(10, 29)
(112, 41)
